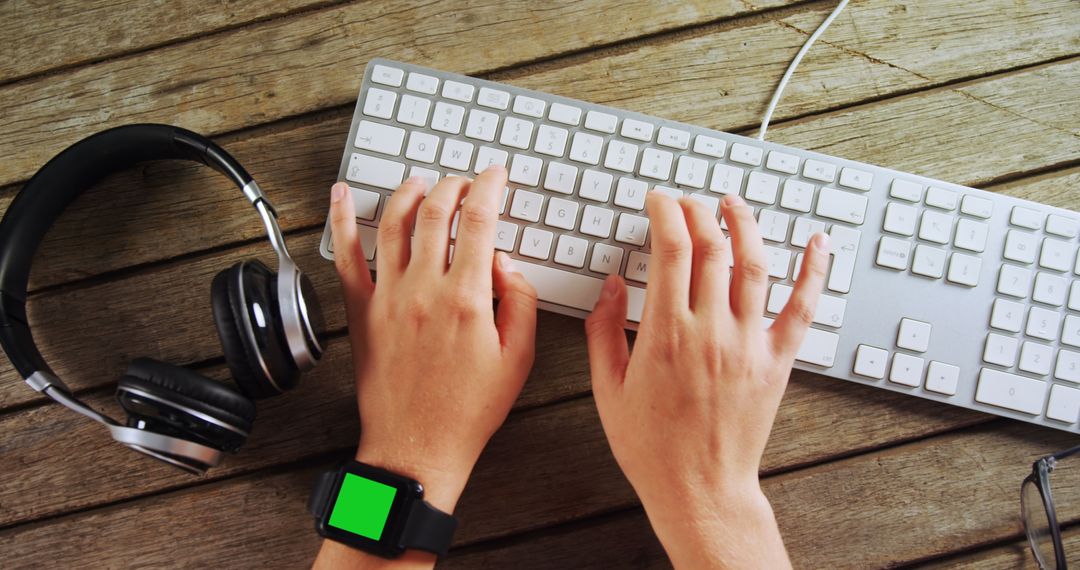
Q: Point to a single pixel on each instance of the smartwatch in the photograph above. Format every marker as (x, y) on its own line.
(379, 512)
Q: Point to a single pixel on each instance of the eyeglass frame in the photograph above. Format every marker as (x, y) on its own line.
(1040, 475)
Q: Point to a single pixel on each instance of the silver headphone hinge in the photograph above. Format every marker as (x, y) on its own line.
(41, 381)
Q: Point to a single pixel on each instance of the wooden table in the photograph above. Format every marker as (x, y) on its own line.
(979, 93)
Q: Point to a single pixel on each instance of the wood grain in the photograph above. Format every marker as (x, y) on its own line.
(1014, 555)
(43, 36)
(987, 144)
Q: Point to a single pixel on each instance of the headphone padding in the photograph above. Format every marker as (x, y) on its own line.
(243, 366)
(191, 389)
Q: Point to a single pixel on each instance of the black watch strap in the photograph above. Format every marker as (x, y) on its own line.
(428, 528)
(320, 495)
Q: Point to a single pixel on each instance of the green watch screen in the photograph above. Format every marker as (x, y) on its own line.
(362, 506)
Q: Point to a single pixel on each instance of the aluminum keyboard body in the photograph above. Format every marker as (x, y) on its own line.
(935, 290)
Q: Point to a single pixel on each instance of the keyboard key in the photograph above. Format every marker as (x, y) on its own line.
(1007, 315)
(637, 267)
(596, 185)
(820, 171)
(603, 122)
(964, 269)
(971, 235)
(482, 125)
(632, 229)
(621, 156)
(574, 290)
(842, 206)
(777, 260)
(391, 76)
(562, 178)
(526, 170)
(797, 195)
(856, 179)
(586, 148)
(429, 176)
(551, 140)
(526, 205)
(1014, 281)
(493, 98)
(422, 83)
(1071, 333)
(1043, 323)
(1049, 289)
(727, 179)
(906, 370)
(900, 219)
(673, 193)
(1056, 254)
(447, 118)
(423, 147)
(536, 243)
(656, 164)
(691, 172)
(976, 206)
(488, 156)
(606, 259)
(762, 187)
(376, 172)
(1064, 404)
(1068, 366)
(562, 214)
(745, 154)
(458, 91)
(630, 193)
(596, 222)
(870, 361)
(673, 138)
(637, 130)
(366, 203)
(928, 261)
(936, 227)
(505, 235)
(829, 311)
(1074, 296)
(773, 225)
(379, 138)
(1035, 358)
(942, 378)
(570, 251)
(893, 253)
(906, 190)
(711, 203)
(413, 111)
(1061, 226)
(516, 133)
(564, 114)
(379, 103)
(913, 335)
(782, 162)
(456, 154)
(1010, 391)
(845, 246)
(941, 198)
(529, 107)
(1026, 218)
(709, 146)
(1000, 350)
(818, 346)
(803, 229)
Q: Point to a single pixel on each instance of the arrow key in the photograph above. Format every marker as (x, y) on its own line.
(870, 361)
(906, 370)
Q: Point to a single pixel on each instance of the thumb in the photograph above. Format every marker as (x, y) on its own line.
(608, 349)
(516, 316)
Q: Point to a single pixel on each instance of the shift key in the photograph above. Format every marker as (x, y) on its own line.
(377, 172)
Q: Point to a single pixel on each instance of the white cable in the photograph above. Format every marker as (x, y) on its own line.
(795, 63)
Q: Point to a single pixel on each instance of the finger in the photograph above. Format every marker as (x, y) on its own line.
(709, 276)
(516, 316)
(431, 244)
(668, 290)
(349, 257)
(609, 352)
(751, 275)
(395, 230)
(790, 327)
(474, 247)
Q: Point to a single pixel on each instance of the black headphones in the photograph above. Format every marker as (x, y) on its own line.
(267, 321)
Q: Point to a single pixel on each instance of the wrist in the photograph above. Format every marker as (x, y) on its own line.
(443, 480)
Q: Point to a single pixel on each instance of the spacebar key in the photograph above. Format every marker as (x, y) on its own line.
(574, 290)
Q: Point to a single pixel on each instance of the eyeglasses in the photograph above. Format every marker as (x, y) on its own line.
(1037, 505)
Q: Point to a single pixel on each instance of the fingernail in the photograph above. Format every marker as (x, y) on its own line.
(505, 262)
(337, 191)
(823, 243)
(733, 200)
(495, 168)
(611, 286)
(414, 179)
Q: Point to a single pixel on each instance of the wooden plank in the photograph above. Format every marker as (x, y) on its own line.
(313, 62)
(43, 36)
(1008, 557)
(944, 493)
(984, 144)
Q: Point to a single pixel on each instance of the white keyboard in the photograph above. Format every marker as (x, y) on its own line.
(936, 290)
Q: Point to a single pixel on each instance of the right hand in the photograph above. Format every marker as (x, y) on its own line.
(689, 413)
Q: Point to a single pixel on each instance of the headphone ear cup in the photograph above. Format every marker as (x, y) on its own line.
(175, 401)
(248, 322)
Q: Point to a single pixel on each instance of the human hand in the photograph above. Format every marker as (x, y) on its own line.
(436, 369)
(689, 413)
